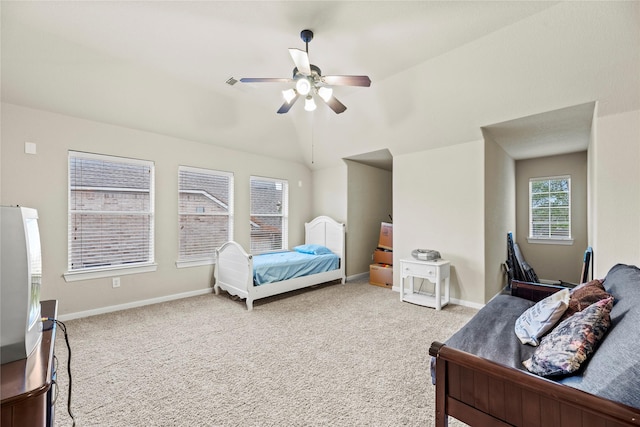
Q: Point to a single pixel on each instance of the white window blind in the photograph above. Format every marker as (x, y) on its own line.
(111, 205)
(205, 213)
(269, 214)
(550, 208)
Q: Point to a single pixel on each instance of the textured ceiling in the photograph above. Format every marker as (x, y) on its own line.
(440, 70)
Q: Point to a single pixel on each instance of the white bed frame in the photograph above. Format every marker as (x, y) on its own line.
(234, 267)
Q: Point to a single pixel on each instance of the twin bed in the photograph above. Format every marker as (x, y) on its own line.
(254, 277)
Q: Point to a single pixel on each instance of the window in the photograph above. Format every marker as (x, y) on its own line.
(269, 214)
(111, 220)
(205, 211)
(550, 208)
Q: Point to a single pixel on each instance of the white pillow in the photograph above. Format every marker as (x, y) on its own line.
(533, 323)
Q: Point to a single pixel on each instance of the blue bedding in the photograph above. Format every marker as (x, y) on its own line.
(278, 266)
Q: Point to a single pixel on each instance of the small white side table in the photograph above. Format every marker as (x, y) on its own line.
(434, 271)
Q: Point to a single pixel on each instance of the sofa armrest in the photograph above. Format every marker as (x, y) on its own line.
(533, 291)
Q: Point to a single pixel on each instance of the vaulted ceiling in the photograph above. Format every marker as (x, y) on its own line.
(440, 70)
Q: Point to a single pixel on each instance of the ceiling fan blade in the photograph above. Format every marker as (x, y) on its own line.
(287, 105)
(364, 81)
(265, 80)
(337, 106)
(301, 59)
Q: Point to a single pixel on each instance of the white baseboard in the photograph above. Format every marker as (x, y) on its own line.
(358, 276)
(455, 301)
(112, 308)
(464, 303)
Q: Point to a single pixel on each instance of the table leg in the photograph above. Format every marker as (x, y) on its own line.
(437, 295)
(446, 290)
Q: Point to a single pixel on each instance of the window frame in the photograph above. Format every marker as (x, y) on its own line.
(193, 262)
(550, 238)
(284, 236)
(87, 273)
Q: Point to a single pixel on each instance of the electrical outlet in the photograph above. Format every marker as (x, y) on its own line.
(115, 282)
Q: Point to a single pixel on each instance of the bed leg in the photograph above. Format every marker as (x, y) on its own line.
(442, 420)
(249, 304)
(216, 289)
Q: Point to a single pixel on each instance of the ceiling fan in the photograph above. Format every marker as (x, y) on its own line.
(309, 81)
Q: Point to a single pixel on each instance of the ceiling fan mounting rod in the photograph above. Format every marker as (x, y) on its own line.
(306, 36)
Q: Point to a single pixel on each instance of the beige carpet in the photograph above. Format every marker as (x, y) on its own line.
(331, 355)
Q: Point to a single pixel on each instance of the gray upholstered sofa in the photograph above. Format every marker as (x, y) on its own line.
(480, 378)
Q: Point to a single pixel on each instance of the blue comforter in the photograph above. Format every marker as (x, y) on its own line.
(275, 267)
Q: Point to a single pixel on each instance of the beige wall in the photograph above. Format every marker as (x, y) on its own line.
(329, 193)
(40, 181)
(500, 213)
(554, 262)
(614, 162)
(438, 203)
(369, 204)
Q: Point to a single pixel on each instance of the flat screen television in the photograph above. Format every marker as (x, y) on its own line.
(20, 280)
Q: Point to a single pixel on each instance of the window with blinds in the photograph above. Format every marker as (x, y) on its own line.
(550, 208)
(111, 220)
(269, 214)
(205, 211)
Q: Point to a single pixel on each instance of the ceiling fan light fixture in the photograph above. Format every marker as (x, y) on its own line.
(308, 81)
(309, 103)
(325, 93)
(303, 86)
(289, 94)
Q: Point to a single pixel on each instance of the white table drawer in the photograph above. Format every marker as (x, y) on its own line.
(426, 269)
(419, 270)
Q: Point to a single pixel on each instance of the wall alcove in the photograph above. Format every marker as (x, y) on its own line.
(369, 202)
(543, 145)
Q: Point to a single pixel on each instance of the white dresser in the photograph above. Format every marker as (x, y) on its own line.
(436, 272)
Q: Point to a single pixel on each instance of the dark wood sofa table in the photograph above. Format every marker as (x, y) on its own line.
(26, 384)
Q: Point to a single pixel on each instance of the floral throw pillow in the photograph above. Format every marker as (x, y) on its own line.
(570, 343)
